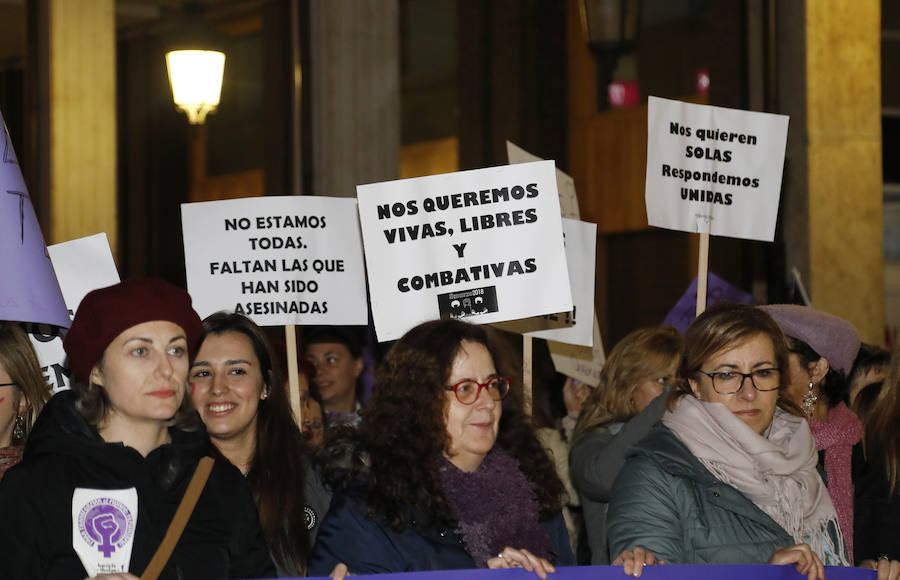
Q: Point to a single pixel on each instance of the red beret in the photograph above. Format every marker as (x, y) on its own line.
(107, 312)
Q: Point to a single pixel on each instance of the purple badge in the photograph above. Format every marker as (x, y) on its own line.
(106, 524)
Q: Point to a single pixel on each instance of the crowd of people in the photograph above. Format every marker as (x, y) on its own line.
(762, 435)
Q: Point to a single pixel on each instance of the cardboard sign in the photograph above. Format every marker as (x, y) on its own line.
(569, 327)
(714, 170)
(29, 291)
(485, 245)
(277, 260)
(81, 265)
(580, 362)
(103, 527)
(565, 185)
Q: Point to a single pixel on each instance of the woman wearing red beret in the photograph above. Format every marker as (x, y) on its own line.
(108, 463)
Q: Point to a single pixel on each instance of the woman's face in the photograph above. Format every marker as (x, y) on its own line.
(313, 428)
(753, 407)
(645, 392)
(336, 371)
(227, 384)
(472, 428)
(144, 372)
(12, 403)
(798, 377)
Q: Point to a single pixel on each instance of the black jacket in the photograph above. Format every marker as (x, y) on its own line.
(222, 539)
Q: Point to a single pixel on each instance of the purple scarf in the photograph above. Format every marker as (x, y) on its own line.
(496, 507)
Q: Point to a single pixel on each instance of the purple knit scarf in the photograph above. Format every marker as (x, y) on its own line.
(496, 507)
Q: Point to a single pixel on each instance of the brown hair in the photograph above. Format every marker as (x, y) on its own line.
(18, 359)
(401, 457)
(725, 326)
(644, 354)
(277, 472)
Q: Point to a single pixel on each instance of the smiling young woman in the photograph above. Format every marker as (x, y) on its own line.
(244, 404)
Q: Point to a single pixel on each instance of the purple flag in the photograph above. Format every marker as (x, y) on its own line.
(717, 290)
(29, 291)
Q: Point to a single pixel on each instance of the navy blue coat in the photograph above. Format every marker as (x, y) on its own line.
(366, 547)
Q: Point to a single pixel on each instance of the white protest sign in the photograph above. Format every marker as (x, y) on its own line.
(81, 266)
(565, 185)
(714, 170)
(484, 244)
(580, 362)
(277, 260)
(103, 525)
(581, 253)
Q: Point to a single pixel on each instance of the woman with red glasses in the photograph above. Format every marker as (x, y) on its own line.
(447, 472)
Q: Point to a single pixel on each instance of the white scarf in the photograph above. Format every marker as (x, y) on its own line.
(777, 472)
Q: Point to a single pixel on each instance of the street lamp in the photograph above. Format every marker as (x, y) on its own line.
(196, 79)
(610, 28)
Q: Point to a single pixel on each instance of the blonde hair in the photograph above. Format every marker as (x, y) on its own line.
(642, 355)
(881, 438)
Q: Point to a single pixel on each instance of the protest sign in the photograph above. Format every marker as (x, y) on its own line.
(81, 265)
(568, 327)
(718, 290)
(278, 260)
(485, 245)
(565, 185)
(714, 170)
(661, 572)
(29, 291)
(580, 362)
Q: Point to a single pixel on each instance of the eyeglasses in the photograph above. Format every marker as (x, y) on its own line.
(8, 384)
(730, 382)
(467, 391)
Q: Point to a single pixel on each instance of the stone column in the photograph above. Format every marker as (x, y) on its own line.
(76, 96)
(830, 83)
(355, 91)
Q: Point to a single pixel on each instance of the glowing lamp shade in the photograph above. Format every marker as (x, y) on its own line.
(196, 78)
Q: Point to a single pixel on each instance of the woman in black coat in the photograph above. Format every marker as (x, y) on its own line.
(108, 462)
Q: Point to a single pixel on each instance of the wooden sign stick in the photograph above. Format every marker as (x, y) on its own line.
(526, 372)
(702, 267)
(290, 339)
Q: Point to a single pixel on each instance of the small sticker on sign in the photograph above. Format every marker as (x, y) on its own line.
(468, 302)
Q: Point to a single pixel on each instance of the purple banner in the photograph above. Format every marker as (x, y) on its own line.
(663, 572)
(717, 290)
(29, 291)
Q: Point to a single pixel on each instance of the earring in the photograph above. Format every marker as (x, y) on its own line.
(265, 394)
(19, 428)
(809, 400)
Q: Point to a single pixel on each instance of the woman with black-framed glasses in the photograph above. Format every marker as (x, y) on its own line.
(447, 471)
(729, 476)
